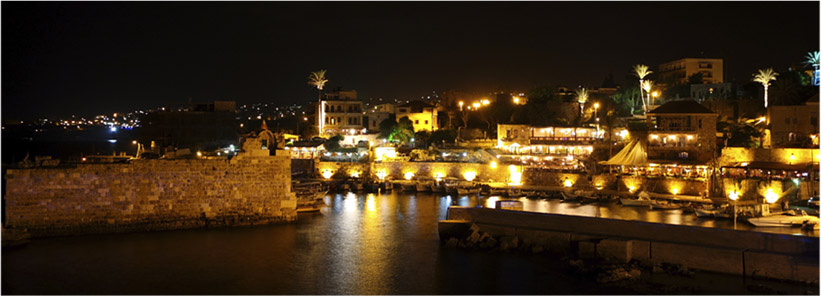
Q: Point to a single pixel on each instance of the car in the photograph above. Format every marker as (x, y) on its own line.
(814, 202)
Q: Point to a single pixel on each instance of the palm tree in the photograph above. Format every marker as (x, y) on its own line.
(764, 77)
(647, 85)
(318, 79)
(581, 96)
(641, 72)
(812, 61)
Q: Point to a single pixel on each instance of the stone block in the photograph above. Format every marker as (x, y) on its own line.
(781, 266)
(616, 250)
(586, 249)
(552, 241)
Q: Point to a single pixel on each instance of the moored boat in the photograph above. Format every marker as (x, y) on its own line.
(408, 187)
(663, 205)
(786, 219)
(514, 192)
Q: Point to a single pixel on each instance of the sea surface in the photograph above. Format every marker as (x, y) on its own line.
(359, 244)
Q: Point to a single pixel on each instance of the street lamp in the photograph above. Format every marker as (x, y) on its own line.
(734, 197)
(655, 96)
(460, 105)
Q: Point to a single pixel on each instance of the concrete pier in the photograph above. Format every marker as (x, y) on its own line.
(745, 253)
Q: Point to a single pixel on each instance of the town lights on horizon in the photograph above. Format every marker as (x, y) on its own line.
(493, 164)
(354, 174)
(409, 175)
(568, 183)
(438, 176)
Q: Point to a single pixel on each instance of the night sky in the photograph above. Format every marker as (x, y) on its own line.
(62, 58)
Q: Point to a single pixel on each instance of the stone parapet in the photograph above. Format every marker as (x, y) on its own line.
(149, 195)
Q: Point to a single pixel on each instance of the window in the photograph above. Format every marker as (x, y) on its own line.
(699, 123)
(416, 121)
(339, 120)
(787, 120)
(795, 120)
(814, 120)
(327, 120)
(683, 155)
(426, 122)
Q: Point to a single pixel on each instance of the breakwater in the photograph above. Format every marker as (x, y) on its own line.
(744, 253)
(147, 195)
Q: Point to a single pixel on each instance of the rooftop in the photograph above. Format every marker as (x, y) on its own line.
(681, 107)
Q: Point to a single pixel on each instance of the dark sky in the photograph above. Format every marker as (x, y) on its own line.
(62, 58)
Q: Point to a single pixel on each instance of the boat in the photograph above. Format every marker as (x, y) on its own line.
(642, 201)
(310, 196)
(423, 186)
(514, 192)
(437, 187)
(663, 205)
(461, 190)
(531, 193)
(408, 187)
(589, 198)
(359, 186)
(451, 185)
(575, 195)
(497, 191)
(786, 219)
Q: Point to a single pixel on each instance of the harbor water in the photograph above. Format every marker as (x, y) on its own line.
(359, 244)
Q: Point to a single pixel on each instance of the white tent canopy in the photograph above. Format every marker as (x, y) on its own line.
(634, 153)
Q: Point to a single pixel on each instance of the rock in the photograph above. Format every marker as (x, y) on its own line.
(474, 237)
(635, 273)
(474, 228)
(536, 249)
(491, 242)
(504, 245)
(484, 237)
(452, 242)
(514, 243)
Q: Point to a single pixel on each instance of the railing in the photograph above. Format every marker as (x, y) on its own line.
(562, 138)
(675, 129)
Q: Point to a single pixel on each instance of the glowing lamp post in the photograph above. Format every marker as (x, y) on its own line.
(469, 175)
(770, 196)
(568, 183)
(409, 175)
(734, 197)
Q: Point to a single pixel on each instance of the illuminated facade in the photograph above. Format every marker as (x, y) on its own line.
(554, 141)
(682, 131)
(340, 112)
(712, 70)
(423, 115)
(794, 126)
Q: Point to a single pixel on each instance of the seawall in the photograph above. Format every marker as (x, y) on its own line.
(147, 195)
(745, 253)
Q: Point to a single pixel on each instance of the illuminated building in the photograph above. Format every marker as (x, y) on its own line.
(790, 126)
(423, 115)
(339, 112)
(681, 131)
(712, 70)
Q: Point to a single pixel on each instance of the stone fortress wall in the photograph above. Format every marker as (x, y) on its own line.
(148, 195)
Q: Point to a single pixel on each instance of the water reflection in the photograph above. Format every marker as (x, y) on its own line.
(359, 244)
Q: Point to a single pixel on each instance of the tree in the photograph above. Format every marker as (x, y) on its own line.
(442, 136)
(581, 97)
(647, 86)
(333, 143)
(318, 80)
(626, 99)
(812, 61)
(403, 131)
(386, 126)
(741, 132)
(642, 71)
(764, 77)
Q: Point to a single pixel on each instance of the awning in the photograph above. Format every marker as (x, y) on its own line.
(633, 154)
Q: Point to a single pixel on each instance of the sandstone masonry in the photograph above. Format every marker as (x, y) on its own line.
(148, 195)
